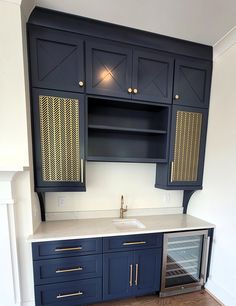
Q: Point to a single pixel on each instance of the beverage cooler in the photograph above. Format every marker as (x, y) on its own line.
(185, 258)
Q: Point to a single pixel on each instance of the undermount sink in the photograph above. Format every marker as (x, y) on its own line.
(128, 223)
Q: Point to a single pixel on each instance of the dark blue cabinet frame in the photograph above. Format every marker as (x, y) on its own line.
(51, 32)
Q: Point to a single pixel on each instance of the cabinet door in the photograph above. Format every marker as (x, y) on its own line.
(188, 140)
(192, 82)
(56, 59)
(108, 69)
(58, 138)
(147, 271)
(117, 275)
(152, 77)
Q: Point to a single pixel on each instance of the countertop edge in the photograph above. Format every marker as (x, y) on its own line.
(121, 233)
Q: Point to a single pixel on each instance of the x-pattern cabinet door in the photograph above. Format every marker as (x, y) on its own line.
(108, 69)
(152, 76)
(56, 59)
(192, 83)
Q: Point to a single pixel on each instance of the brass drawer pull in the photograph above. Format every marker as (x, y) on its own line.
(134, 243)
(68, 249)
(172, 172)
(62, 296)
(69, 270)
(131, 275)
(136, 275)
(82, 170)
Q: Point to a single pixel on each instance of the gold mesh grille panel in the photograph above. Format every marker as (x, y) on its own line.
(59, 134)
(187, 145)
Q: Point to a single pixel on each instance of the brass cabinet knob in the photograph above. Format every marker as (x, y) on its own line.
(177, 97)
(81, 83)
(135, 90)
(130, 90)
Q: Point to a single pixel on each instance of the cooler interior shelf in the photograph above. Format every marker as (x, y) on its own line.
(127, 131)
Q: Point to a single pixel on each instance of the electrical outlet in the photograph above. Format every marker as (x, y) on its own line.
(61, 201)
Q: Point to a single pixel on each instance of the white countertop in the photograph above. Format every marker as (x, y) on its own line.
(104, 227)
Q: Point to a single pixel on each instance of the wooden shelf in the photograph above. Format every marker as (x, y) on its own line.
(125, 159)
(125, 129)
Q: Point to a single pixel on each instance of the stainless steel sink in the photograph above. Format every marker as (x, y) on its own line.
(128, 223)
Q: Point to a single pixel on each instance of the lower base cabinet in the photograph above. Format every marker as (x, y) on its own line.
(131, 273)
(69, 293)
(84, 271)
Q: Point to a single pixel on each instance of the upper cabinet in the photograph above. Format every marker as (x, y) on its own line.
(152, 76)
(56, 60)
(119, 71)
(108, 69)
(103, 92)
(58, 140)
(192, 82)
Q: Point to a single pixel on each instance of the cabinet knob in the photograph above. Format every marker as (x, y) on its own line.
(177, 97)
(135, 90)
(81, 83)
(130, 90)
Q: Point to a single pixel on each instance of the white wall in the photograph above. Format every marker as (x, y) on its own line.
(13, 125)
(106, 182)
(216, 203)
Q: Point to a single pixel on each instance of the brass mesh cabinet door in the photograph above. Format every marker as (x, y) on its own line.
(59, 133)
(188, 146)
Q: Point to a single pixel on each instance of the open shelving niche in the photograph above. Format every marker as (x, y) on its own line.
(127, 131)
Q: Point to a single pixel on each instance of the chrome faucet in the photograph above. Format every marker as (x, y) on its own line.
(122, 209)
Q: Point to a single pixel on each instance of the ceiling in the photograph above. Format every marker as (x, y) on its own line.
(203, 21)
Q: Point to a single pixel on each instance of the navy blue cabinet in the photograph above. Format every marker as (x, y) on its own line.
(74, 293)
(152, 76)
(108, 68)
(56, 59)
(131, 273)
(192, 82)
(58, 139)
(67, 272)
(121, 71)
(187, 149)
(117, 275)
(147, 271)
(134, 81)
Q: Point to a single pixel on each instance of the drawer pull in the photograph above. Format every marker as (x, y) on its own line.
(68, 249)
(136, 275)
(134, 243)
(62, 296)
(131, 275)
(69, 270)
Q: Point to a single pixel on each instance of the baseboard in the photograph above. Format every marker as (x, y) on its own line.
(69, 215)
(214, 297)
(29, 303)
(222, 296)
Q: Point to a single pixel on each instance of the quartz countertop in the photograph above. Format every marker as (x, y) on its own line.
(104, 227)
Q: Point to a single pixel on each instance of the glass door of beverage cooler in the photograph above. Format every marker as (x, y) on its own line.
(185, 257)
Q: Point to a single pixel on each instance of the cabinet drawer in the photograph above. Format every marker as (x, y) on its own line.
(65, 248)
(67, 269)
(131, 242)
(69, 293)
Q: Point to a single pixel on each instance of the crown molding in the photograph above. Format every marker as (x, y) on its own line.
(225, 43)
